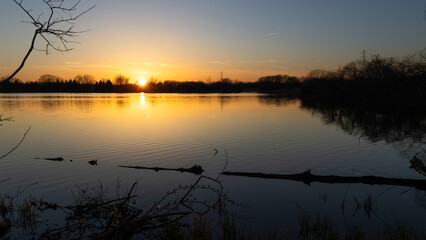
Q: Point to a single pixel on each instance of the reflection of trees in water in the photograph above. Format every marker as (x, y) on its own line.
(420, 198)
(54, 103)
(122, 102)
(10, 103)
(222, 100)
(406, 132)
(275, 100)
(410, 148)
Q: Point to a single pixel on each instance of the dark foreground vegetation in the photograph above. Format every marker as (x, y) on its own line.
(177, 215)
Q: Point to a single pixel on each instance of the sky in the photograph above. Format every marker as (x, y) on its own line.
(195, 40)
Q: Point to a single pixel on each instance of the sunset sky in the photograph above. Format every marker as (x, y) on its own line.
(191, 40)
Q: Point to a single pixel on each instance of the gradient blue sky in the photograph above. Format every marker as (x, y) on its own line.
(194, 39)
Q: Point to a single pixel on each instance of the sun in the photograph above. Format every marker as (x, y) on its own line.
(142, 82)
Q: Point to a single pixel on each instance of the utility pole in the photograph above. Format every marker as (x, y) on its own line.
(221, 76)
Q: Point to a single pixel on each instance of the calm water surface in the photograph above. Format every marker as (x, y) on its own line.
(253, 133)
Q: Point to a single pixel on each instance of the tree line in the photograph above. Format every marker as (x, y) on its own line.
(382, 80)
(80, 83)
(379, 80)
(121, 83)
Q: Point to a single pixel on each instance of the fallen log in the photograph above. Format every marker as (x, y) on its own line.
(196, 169)
(418, 165)
(307, 177)
(58, 159)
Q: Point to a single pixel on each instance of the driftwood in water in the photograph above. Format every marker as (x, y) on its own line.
(55, 159)
(307, 177)
(196, 169)
(418, 165)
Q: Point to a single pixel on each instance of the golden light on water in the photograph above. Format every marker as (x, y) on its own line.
(143, 102)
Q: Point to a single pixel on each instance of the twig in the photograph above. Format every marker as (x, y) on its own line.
(4, 180)
(13, 149)
(5, 119)
(224, 167)
(409, 189)
(359, 139)
(343, 201)
(19, 191)
(382, 193)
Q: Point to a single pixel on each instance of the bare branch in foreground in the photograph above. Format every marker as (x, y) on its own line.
(13, 149)
(95, 216)
(56, 29)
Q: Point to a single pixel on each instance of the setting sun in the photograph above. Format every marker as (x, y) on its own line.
(142, 82)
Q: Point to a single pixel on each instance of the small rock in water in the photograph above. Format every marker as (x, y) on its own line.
(93, 162)
(196, 169)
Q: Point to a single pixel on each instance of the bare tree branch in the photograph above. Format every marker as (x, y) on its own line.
(13, 149)
(59, 25)
(5, 119)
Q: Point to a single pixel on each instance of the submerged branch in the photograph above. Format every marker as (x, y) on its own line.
(307, 177)
(58, 159)
(4, 119)
(196, 169)
(418, 165)
(13, 149)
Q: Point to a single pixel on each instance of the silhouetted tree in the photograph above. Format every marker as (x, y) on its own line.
(380, 68)
(414, 65)
(49, 78)
(121, 80)
(85, 79)
(319, 73)
(226, 81)
(276, 79)
(108, 83)
(277, 82)
(3, 79)
(291, 82)
(57, 23)
(351, 71)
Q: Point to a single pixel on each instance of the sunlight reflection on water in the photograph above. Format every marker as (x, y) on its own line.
(143, 102)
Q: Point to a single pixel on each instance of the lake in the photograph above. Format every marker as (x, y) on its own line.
(235, 132)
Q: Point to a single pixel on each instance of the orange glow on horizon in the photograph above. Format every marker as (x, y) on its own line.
(142, 82)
